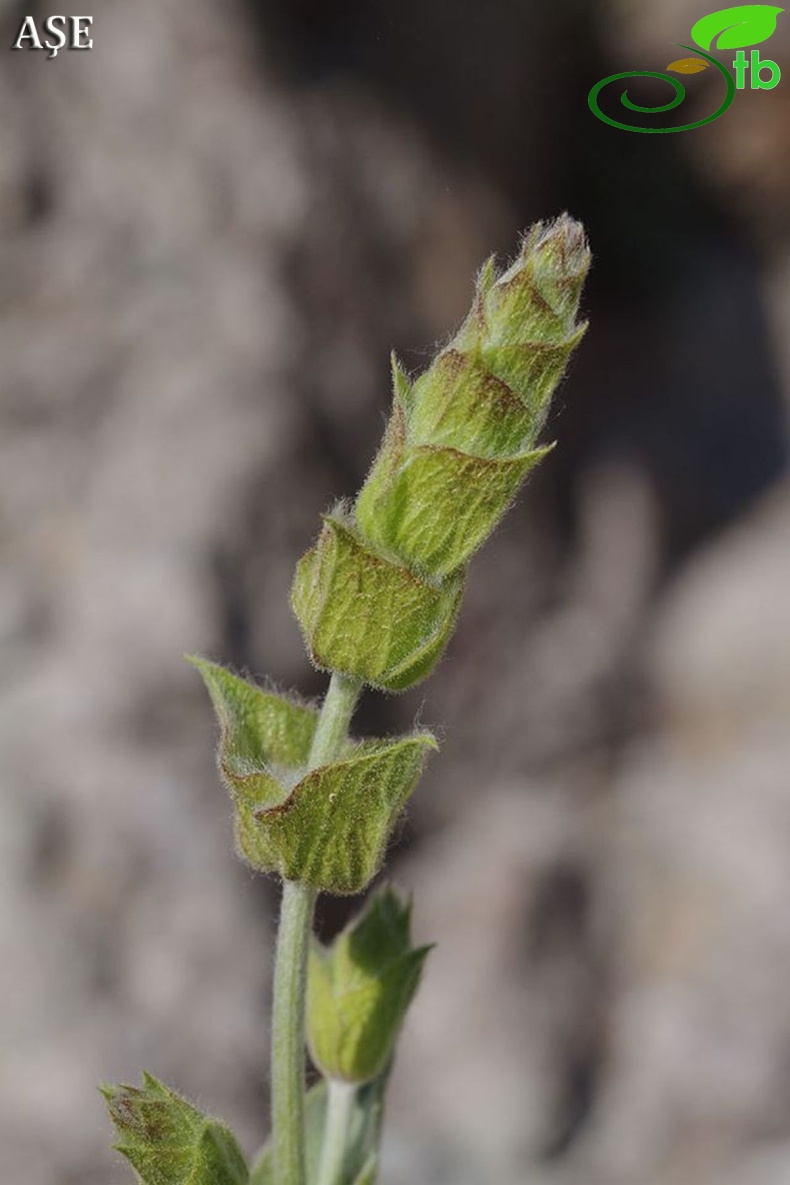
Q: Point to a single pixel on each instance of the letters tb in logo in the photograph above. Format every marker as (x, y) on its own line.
(758, 64)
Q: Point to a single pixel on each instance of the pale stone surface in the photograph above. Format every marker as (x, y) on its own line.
(699, 874)
(145, 344)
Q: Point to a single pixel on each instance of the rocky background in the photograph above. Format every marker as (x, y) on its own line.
(213, 227)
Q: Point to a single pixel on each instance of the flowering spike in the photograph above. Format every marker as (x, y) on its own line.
(377, 596)
(485, 397)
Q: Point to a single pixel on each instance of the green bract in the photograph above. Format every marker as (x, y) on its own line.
(439, 505)
(168, 1141)
(368, 617)
(328, 827)
(378, 595)
(359, 989)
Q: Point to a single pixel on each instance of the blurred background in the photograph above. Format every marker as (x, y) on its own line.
(213, 228)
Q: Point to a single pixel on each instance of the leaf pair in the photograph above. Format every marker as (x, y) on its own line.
(327, 827)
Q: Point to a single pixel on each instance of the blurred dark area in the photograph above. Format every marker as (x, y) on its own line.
(673, 261)
(213, 229)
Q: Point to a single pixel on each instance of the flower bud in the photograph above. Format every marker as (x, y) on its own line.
(327, 828)
(462, 437)
(359, 989)
(168, 1141)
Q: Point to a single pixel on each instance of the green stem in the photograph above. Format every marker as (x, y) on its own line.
(340, 1106)
(290, 968)
(290, 975)
(336, 712)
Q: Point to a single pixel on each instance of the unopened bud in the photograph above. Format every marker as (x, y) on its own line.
(359, 989)
(463, 437)
(378, 595)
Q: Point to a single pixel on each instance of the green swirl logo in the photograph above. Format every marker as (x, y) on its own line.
(731, 28)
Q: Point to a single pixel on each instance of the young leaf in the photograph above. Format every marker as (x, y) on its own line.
(168, 1141)
(262, 1172)
(746, 24)
(368, 1174)
(360, 988)
(364, 1133)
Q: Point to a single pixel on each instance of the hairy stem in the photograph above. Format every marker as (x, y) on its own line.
(290, 974)
(290, 968)
(332, 731)
(338, 1117)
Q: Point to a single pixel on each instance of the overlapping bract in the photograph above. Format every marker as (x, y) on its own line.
(377, 596)
(327, 827)
(366, 614)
